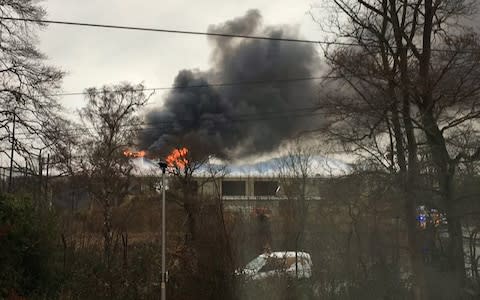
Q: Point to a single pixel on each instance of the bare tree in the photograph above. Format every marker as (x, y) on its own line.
(30, 116)
(295, 175)
(183, 164)
(195, 187)
(368, 116)
(110, 124)
(414, 77)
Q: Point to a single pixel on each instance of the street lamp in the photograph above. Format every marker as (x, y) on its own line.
(163, 166)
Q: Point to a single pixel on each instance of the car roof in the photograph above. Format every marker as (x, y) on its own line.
(282, 254)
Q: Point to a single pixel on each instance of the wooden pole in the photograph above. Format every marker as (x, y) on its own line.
(10, 176)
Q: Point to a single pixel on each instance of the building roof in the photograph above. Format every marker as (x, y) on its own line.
(319, 166)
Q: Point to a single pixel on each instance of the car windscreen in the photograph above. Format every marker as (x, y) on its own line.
(256, 263)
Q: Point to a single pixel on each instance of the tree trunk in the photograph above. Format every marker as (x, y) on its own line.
(445, 168)
(191, 208)
(107, 231)
(416, 258)
(407, 157)
(191, 222)
(408, 176)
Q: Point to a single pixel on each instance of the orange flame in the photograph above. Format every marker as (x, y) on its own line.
(178, 158)
(134, 154)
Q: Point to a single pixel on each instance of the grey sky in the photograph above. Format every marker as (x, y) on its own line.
(93, 56)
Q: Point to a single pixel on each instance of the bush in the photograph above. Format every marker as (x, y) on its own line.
(278, 288)
(90, 278)
(27, 265)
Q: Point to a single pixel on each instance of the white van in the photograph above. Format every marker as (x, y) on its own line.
(273, 264)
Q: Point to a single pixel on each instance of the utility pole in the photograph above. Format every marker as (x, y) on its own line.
(39, 183)
(163, 166)
(10, 176)
(47, 199)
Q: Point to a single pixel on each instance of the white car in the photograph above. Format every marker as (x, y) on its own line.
(273, 264)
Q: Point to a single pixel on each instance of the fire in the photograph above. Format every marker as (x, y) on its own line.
(134, 154)
(178, 158)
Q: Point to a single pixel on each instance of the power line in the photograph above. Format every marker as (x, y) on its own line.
(304, 112)
(221, 84)
(259, 118)
(216, 34)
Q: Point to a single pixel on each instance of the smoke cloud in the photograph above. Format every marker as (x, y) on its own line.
(243, 119)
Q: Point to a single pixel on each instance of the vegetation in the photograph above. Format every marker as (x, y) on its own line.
(29, 265)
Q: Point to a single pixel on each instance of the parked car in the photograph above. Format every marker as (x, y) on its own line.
(281, 263)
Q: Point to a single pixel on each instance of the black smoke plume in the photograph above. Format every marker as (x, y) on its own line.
(255, 115)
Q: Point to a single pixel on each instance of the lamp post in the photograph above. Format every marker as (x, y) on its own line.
(163, 166)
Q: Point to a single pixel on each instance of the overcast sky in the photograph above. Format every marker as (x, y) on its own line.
(95, 56)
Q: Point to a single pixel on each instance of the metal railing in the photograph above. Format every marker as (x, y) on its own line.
(265, 198)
